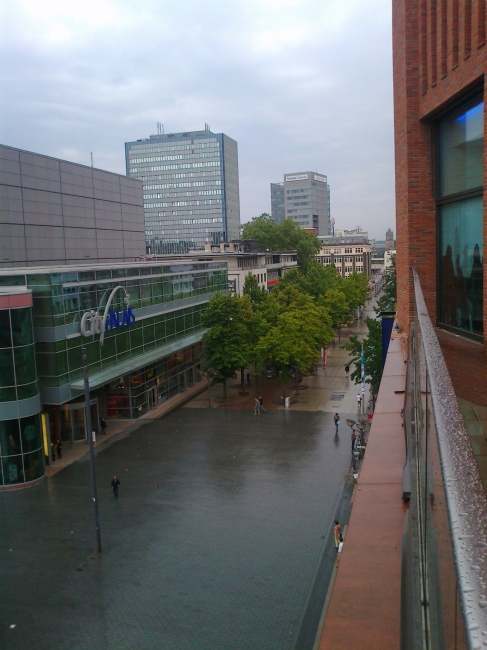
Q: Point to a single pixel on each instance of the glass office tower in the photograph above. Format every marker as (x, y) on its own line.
(190, 186)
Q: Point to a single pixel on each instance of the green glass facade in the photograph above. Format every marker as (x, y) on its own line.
(137, 367)
(21, 453)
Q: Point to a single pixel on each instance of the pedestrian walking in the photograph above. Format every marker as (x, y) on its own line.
(256, 406)
(115, 485)
(103, 427)
(359, 401)
(347, 370)
(336, 420)
(248, 378)
(339, 550)
(337, 532)
(59, 448)
(261, 405)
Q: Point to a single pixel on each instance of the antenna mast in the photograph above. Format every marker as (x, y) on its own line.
(92, 160)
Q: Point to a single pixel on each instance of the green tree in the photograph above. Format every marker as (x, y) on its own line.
(356, 289)
(286, 235)
(372, 345)
(388, 299)
(252, 290)
(301, 329)
(229, 344)
(336, 304)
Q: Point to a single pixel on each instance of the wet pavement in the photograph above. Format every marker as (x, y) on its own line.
(214, 541)
(221, 537)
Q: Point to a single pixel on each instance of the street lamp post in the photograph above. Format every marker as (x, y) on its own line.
(90, 444)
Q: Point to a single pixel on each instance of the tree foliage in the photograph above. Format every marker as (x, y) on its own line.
(229, 340)
(372, 345)
(283, 236)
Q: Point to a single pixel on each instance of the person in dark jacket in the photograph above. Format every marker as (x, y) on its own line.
(103, 427)
(115, 485)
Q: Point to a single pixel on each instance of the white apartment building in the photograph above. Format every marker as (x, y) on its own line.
(349, 254)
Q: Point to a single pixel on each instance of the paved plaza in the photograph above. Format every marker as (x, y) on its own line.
(221, 536)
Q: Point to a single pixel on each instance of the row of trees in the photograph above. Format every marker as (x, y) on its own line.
(285, 328)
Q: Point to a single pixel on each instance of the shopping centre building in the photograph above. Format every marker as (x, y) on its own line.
(140, 324)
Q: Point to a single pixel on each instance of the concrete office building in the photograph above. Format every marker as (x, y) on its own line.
(191, 191)
(307, 201)
(277, 202)
(141, 326)
(53, 211)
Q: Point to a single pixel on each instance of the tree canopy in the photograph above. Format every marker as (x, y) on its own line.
(372, 345)
(283, 236)
(387, 302)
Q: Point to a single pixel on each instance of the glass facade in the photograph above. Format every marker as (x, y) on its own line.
(142, 362)
(21, 452)
(190, 187)
(460, 211)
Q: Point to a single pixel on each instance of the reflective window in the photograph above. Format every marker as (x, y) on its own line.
(461, 264)
(460, 150)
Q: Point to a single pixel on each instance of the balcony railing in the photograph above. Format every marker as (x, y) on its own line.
(444, 570)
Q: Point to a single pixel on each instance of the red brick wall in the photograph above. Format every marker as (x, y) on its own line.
(438, 55)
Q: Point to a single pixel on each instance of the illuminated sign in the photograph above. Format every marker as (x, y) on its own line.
(92, 323)
(297, 177)
(322, 179)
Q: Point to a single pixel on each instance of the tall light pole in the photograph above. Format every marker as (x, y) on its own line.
(90, 443)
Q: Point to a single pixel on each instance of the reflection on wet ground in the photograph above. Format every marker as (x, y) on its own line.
(215, 540)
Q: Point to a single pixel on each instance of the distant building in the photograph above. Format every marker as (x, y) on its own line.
(277, 202)
(307, 201)
(242, 258)
(348, 255)
(390, 243)
(191, 191)
(59, 212)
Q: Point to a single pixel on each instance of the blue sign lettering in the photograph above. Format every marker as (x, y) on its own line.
(116, 319)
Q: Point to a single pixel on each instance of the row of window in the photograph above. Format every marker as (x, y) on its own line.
(151, 148)
(340, 251)
(160, 168)
(214, 173)
(189, 156)
(169, 186)
(182, 203)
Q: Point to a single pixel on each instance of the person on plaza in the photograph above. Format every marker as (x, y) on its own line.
(347, 369)
(261, 405)
(256, 406)
(53, 452)
(337, 532)
(339, 550)
(103, 427)
(353, 440)
(248, 378)
(359, 401)
(336, 420)
(59, 448)
(115, 485)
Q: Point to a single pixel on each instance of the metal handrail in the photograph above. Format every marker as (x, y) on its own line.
(465, 495)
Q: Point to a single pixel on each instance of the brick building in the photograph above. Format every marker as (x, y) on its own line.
(439, 66)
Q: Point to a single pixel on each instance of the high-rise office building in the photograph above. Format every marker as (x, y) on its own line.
(307, 200)
(277, 202)
(190, 186)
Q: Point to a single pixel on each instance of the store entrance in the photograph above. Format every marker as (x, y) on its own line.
(152, 397)
(72, 420)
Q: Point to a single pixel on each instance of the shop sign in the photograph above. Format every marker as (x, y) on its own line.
(92, 323)
(322, 179)
(297, 177)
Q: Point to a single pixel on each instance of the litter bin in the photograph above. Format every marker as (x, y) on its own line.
(287, 402)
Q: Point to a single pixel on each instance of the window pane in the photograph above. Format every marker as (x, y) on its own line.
(6, 367)
(461, 150)
(21, 326)
(9, 437)
(461, 265)
(25, 367)
(34, 465)
(12, 470)
(27, 390)
(31, 433)
(5, 338)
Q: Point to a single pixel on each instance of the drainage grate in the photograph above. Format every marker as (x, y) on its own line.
(336, 397)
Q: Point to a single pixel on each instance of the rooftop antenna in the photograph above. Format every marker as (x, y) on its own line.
(207, 127)
(160, 128)
(92, 160)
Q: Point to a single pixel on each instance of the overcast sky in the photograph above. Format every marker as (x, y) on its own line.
(299, 84)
